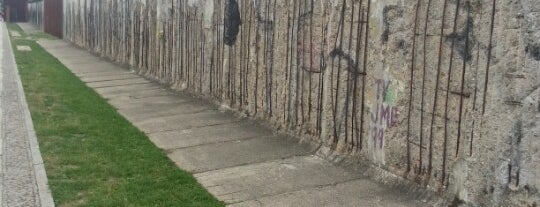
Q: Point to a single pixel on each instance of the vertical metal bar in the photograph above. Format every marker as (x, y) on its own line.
(423, 86)
(411, 84)
(364, 70)
(463, 72)
(448, 81)
(433, 112)
(490, 48)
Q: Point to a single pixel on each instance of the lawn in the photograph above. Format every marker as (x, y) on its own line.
(93, 156)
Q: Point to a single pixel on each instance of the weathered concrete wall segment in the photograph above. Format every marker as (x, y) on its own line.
(441, 92)
(35, 13)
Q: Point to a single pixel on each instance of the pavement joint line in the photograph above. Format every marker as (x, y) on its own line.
(133, 105)
(39, 173)
(198, 128)
(307, 154)
(123, 79)
(129, 84)
(99, 74)
(130, 97)
(202, 111)
(111, 83)
(104, 72)
(91, 71)
(99, 81)
(91, 66)
(81, 62)
(171, 150)
(195, 127)
(92, 74)
(153, 96)
(138, 104)
(134, 91)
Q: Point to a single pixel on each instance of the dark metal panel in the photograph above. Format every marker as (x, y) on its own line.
(15, 10)
(53, 14)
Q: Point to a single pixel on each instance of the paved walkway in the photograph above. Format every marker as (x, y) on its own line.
(23, 181)
(28, 28)
(237, 161)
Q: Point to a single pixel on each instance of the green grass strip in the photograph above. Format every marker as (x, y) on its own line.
(93, 156)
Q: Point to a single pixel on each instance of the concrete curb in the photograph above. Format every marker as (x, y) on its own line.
(45, 196)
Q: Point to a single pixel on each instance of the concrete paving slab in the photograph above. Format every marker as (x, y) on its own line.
(237, 153)
(362, 192)
(28, 28)
(147, 98)
(138, 114)
(24, 48)
(93, 67)
(134, 94)
(15, 34)
(54, 45)
(207, 135)
(65, 53)
(51, 45)
(96, 71)
(73, 61)
(109, 78)
(182, 121)
(163, 101)
(108, 73)
(111, 83)
(251, 182)
(124, 99)
(120, 90)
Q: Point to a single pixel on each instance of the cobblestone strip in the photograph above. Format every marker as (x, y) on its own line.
(24, 182)
(1, 120)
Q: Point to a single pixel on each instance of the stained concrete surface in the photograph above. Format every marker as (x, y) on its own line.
(241, 163)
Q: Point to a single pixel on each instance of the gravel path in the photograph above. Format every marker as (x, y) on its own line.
(23, 181)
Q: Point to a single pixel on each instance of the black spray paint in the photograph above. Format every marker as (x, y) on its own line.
(232, 22)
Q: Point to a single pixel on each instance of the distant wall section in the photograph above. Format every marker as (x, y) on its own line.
(35, 13)
(47, 15)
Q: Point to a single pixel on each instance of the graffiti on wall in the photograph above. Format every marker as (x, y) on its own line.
(383, 116)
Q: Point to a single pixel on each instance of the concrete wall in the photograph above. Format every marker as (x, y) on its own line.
(440, 92)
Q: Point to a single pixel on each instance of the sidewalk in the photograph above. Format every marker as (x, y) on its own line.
(23, 181)
(239, 162)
